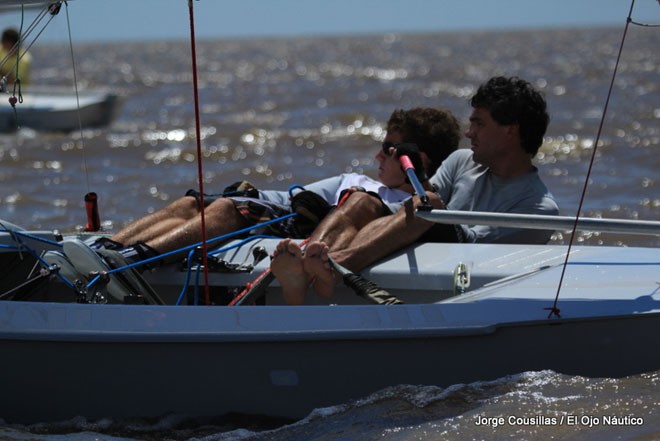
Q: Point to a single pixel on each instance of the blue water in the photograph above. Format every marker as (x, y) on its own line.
(284, 111)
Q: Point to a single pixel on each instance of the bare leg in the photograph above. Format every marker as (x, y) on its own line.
(339, 228)
(335, 232)
(287, 266)
(221, 217)
(153, 225)
(315, 263)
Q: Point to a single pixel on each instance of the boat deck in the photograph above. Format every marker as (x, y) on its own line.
(597, 281)
(430, 267)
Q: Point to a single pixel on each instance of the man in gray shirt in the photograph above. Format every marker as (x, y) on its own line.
(507, 125)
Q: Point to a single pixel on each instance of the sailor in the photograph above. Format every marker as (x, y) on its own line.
(8, 56)
(430, 135)
(508, 121)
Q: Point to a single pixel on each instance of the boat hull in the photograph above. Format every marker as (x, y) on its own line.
(56, 111)
(287, 373)
(63, 360)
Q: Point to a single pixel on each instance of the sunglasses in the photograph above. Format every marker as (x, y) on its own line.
(386, 145)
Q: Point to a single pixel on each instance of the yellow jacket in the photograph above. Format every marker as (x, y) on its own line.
(8, 68)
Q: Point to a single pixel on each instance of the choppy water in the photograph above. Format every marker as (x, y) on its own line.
(534, 405)
(285, 111)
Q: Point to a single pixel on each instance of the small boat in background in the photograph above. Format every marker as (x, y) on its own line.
(46, 108)
(59, 110)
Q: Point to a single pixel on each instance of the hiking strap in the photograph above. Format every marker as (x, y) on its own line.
(363, 287)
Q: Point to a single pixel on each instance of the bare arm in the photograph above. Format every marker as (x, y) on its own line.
(385, 235)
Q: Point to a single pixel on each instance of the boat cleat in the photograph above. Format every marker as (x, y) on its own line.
(461, 278)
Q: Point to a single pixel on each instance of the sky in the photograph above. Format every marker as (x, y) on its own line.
(126, 20)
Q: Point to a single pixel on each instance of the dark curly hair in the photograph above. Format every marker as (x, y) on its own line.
(515, 101)
(10, 36)
(435, 131)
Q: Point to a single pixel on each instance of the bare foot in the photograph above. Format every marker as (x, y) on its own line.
(287, 265)
(315, 263)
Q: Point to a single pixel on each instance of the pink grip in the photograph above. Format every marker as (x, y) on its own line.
(406, 163)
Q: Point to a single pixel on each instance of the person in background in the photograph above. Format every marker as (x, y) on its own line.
(8, 55)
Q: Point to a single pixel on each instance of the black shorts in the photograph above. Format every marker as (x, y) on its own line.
(208, 198)
(444, 233)
(385, 210)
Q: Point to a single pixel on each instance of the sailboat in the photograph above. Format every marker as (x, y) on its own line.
(45, 108)
(466, 312)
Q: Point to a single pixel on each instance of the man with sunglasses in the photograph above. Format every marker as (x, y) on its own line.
(432, 134)
(369, 200)
(507, 126)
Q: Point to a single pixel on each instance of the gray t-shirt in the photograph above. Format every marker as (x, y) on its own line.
(466, 185)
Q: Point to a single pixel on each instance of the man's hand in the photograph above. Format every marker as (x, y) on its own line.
(241, 188)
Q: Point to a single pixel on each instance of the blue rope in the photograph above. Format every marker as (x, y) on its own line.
(46, 265)
(191, 248)
(243, 242)
(22, 247)
(196, 292)
(240, 243)
(30, 236)
(33, 253)
(294, 187)
(186, 283)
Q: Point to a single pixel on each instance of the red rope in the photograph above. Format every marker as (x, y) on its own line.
(200, 175)
(554, 310)
(255, 283)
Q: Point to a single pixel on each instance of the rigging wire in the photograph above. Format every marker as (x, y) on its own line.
(90, 198)
(75, 85)
(24, 35)
(53, 9)
(553, 309)
(17, 82)
(200, 175)
(93, 221)
(646, 25)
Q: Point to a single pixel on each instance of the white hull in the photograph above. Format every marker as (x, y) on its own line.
(281, 361)
(59, 111)
(128, 361)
